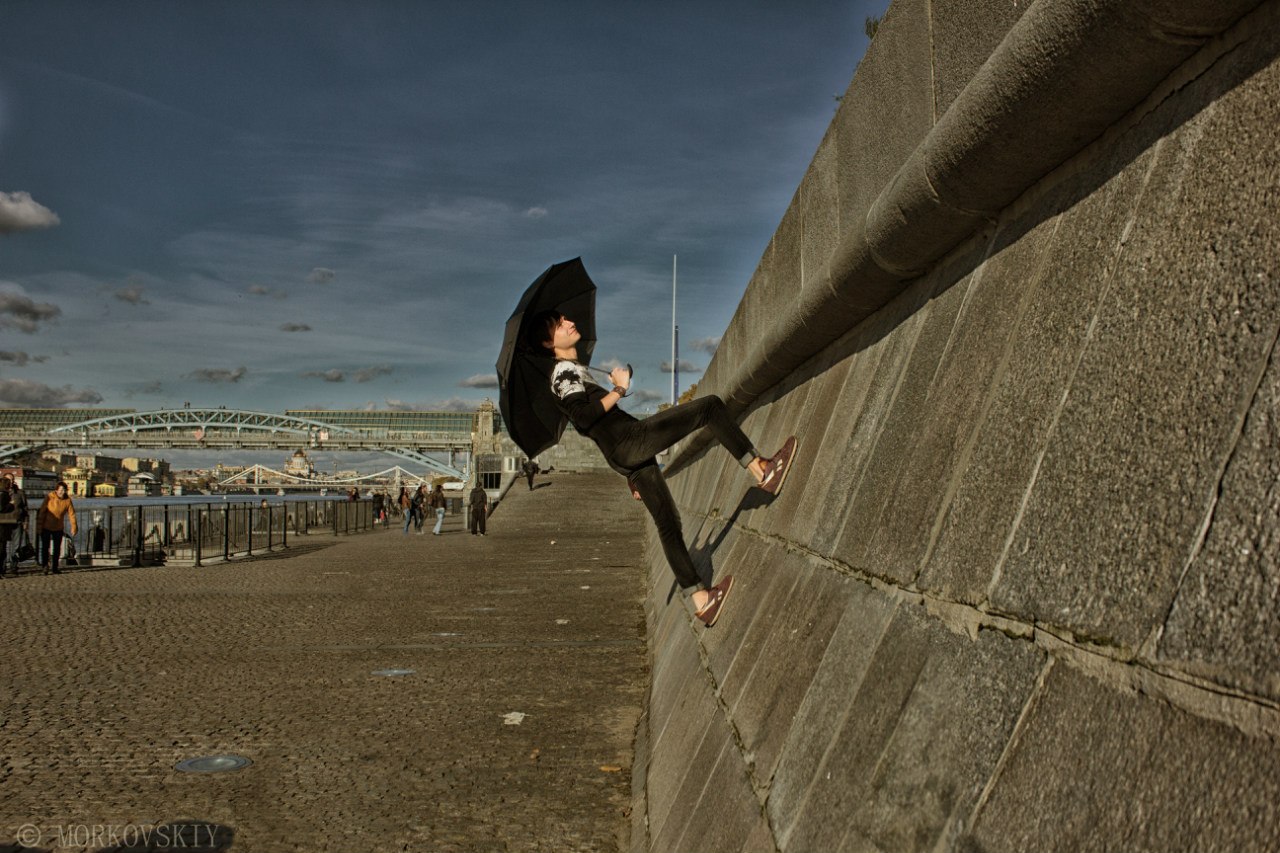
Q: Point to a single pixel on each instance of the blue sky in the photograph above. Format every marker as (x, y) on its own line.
(336, 205)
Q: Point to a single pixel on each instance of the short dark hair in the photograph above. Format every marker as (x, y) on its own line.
(542, 329)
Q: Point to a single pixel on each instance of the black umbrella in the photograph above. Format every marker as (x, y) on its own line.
(529, 410)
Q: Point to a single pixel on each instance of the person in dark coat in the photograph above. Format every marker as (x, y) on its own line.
(479, 510)
(419, 509)
(530, 468)
(13, 502)
(629, 446)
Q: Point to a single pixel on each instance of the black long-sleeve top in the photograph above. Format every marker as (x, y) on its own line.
(580, 399)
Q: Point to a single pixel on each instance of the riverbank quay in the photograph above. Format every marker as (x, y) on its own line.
(510, 727)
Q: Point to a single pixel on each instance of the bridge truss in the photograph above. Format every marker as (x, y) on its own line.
(262, 477)
(228, 429)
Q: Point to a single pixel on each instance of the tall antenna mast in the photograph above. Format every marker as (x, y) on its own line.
(675, 330)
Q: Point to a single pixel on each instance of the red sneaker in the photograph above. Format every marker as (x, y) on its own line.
(778, 466)
(715, 604)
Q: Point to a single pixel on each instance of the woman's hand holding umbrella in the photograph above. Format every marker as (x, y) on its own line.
(619, 376)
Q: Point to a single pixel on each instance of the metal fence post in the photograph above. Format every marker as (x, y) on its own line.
(195, 527)
(226, 531)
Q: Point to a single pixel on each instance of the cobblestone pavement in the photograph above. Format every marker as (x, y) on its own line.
(513, 733)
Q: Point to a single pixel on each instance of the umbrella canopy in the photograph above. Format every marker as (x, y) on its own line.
(529, 410)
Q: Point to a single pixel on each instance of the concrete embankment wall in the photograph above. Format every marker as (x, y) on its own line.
(1022, 590)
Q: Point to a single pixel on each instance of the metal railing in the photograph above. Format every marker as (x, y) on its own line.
(136, 535)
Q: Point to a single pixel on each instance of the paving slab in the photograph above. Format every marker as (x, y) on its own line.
(513, 732)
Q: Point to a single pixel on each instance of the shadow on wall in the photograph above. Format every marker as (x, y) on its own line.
(712, 537)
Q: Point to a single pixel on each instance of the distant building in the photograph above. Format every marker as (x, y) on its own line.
(34, 482)
(108, 490)
(143, 485)
(80, 482)
(57, 457)
(136, 465)
(104, 465)
(300, 465)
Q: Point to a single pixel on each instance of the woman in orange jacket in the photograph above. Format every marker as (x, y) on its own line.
(52, 522)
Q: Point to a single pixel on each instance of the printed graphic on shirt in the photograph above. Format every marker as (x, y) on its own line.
(567, 379)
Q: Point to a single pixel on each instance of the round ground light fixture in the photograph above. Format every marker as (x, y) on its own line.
(392, 673)
(212, 764)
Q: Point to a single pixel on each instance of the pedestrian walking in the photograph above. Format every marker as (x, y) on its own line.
(530, 468)
(379, 501)
(53, 519)
(479, 509)
(629, 445)
(421, 497)
(405, 503)
(438, 503)
(13, 520)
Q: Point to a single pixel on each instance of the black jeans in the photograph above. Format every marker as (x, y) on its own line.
(50, 545)
(653, 434)
(8, 533)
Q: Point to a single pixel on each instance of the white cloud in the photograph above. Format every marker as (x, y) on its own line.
(365, 374)
(685, 367)
(453, 404)
(21, 312)
(261, 290)
(20, 212)
(152, 388)
(22, 393)
(218, 376)
(20, 358)
(643, 396)
(132, 294)
(536, 212)
(707, 345)
(333, 375)
(480, 380)
(321, 275)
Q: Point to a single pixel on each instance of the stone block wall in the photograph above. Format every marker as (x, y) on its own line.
(1022, 590)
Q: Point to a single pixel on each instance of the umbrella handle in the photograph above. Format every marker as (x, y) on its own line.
(603, 372)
